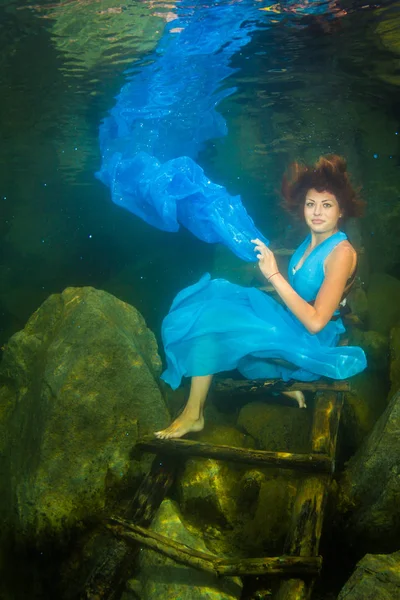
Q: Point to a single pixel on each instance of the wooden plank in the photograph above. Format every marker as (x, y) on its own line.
(260, 386)
(116, 560)
(317, 462)
(281, 565)
(308, 512)
(326, 422)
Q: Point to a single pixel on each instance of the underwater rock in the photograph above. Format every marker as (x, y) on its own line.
(377, 577)
(383, 305)
(162, 578)
(395, 359)
(209, 489)
(363, 406)
(358, 302)
(277, 428)
(375, 346)
(239, 509)
(78, 384)
(370, 487)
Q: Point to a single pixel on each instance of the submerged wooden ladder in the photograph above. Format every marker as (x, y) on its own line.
(300, 563)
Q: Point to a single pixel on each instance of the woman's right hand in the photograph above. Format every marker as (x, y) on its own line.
(266, 259)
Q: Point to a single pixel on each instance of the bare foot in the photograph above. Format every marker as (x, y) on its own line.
(181, 426)
(298, 396)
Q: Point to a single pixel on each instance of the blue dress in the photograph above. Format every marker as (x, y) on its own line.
(215, 326)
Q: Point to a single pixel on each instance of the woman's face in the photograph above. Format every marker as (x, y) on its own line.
(321, 211)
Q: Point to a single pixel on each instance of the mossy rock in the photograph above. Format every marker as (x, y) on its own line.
(383, 303)
(375, 346)
(376, 577)
(358, 302)
(161, 577)
(363, 406)
(268, 517)
(208, 489)
(369, 488)
(78, 385)
(276, 427)
(239, 509)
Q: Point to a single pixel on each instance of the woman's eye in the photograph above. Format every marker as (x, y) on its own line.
(327, 205)
(310, 204)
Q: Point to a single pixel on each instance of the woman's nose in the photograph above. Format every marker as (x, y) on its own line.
(317, 209)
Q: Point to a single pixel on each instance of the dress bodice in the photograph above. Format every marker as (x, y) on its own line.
(307, 280)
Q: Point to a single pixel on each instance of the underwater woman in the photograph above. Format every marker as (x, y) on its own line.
(216, 326)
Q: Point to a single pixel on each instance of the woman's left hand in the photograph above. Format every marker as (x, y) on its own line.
(266, 259)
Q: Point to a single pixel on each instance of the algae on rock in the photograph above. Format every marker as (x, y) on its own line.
(241, 510)
(161, 577)
(78, 386)
(364, 404)
(375, 346)
(370, 486)
(277, 428)
(383, 302)
(376, 577)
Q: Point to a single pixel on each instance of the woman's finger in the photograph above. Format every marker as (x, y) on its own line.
(258, 243)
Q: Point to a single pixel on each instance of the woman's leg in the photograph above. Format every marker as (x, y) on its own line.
(298, 396)
(191, 418)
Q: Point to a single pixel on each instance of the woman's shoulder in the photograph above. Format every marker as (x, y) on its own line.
(344, 253)
(344, 248)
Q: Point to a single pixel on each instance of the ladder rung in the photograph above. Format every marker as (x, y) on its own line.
(234, 386)
(271, 565)
(316, 463)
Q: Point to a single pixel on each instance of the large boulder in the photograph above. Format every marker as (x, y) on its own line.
(358, 301)
(78, 386)
(240, 509)
(161, 577)
(363, 406)
(377, 577)
(375, 346)
(277, 428)
(370, 487)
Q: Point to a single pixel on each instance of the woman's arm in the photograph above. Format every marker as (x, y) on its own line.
(338, 268)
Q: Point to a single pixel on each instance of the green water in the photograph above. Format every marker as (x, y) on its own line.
(302, 89)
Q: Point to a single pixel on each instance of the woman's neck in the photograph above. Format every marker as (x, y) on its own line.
(318, 238)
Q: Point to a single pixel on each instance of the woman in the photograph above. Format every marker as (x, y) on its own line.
(216, 326)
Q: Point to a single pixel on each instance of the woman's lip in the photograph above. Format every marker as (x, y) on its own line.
(317, 221)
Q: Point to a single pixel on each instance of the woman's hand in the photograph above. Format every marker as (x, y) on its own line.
(266, 259)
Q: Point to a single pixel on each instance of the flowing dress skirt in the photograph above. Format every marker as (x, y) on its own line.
(216, 326)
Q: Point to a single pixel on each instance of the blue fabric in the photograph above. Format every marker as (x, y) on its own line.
(164, 115)
(166, 112)
(216, 326)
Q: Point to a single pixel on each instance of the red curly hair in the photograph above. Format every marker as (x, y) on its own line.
(329, 174)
